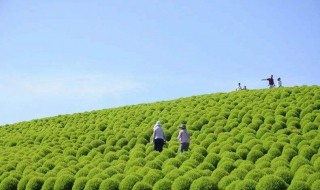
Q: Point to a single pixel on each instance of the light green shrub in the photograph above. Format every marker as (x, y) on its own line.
(255, 174)
(181, 183)
(271, 182)
(295, 185)
(35, 183)
(49, 183)
(285, 174)
(128, 182)
(297, 162)
(254, 155)
(109, 184)
(226, 181)
(153, 176)
(247, 184)
(162, 184)
(23, 182)
(64, 182)
(213, 159)
(93, 184)
(239, 173)
(9, 183)
(142, 186)
(219, 173)
(307, 152)
(204, 183)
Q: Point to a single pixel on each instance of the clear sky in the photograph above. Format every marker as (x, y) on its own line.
(68, 56)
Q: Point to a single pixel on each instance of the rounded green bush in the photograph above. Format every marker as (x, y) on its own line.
(162, 184)
(255, 174)
(226, 180)
(153, 176)
(315, 185)
(312, 178)
(295, 185)
(247, 184)
(109, 184)
(219, 173)
(35, 183)
(297, 162)
(307, 151)
(254, 155)
(213, 159)
(64, 182)
(181, 183)
(9, 183)
(142, 186)
(239, 173)
(204, 183)
(128, 182)
(271, 182)
(285, 174)
(93, 184)
(49, 183)
(23, 182)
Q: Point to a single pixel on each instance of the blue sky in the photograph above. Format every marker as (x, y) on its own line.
(61, 57)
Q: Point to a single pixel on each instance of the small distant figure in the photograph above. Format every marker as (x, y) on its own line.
(279, 82)
(184, 138)
(245, 88)
(158, 137)
(271, 82)
(239, 87)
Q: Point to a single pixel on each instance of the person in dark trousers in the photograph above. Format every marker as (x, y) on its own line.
(158, 137)
(271, 82)
(184, 138)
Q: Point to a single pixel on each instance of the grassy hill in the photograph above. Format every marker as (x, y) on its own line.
(257, 139)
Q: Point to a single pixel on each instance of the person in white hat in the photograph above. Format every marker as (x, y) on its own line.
(158, 137)
(184, 138)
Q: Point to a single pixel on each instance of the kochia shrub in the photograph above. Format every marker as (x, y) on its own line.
(294, 185)
(35, 183)
(312, 178)
(204, 183)
(64, 182)
(109, 184)
(49, 183)
(307, 151)
(271, 182)
(254, 155)
(247, 184)
(226, 180)
(285, 174)
(9, 183)
(297, 162)
(255, 174)
(128, 182)
(219, 173)
(153, 176)
(93, 184)
(142, 186)
(162, 184)
(213, 159)
(181, 183)
(316, 185)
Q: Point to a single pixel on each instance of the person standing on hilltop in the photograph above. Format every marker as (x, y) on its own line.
(271, 82)
(158, 137)
(239, 87)
(184, 138)
(279, 82)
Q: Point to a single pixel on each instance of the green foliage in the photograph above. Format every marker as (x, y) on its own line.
(204, 183)
(239, 136)
(181, 183)
(35, 183)
(64, 182)
(271, 182)
(9, 183)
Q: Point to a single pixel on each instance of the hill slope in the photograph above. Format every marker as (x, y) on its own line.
(263, 139)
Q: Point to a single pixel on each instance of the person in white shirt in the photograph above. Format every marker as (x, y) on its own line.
(184, 138)
(279, 82)
(158, 137)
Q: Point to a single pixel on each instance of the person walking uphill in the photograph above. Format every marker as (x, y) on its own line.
(158, 137)
(184, 138)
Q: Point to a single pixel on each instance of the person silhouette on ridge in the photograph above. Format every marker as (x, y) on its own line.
(271, 82)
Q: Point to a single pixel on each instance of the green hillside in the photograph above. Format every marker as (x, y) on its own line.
(258, 139)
